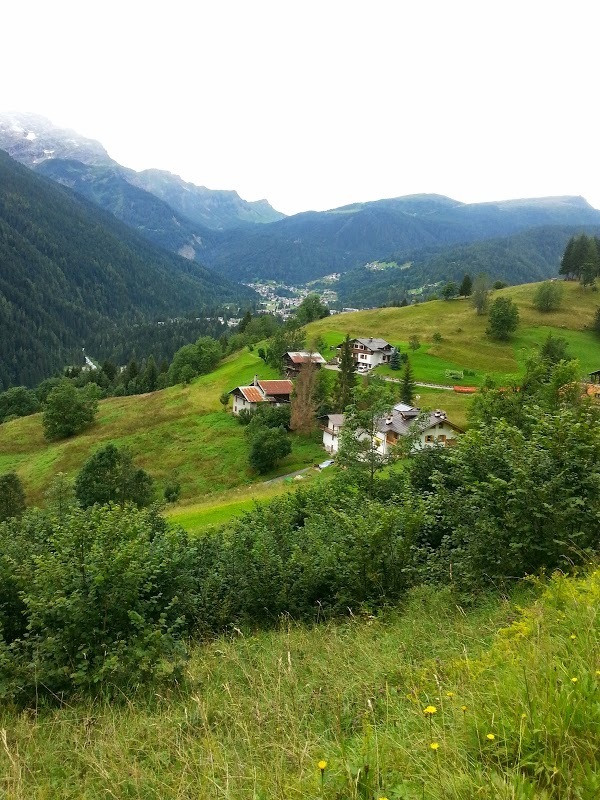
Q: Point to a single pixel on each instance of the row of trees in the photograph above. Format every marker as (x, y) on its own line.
(581, 259)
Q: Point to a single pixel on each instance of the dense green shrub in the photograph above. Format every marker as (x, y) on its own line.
(97, 599)
(109, 476)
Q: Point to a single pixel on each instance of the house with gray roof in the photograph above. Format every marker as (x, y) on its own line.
(429, 429)
(370, 352)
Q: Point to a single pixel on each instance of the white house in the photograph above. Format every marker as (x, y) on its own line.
(331, 428)
(250, 397)
(432, 429)
(369, 353)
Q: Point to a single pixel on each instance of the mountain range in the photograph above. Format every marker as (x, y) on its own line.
(219, 230)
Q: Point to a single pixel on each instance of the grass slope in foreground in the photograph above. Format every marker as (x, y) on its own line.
(181, 431)
(464, 345)
(514, 692)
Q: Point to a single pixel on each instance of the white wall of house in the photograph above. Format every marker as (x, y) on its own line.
(370, 358)
(240, 403)
(331, 441)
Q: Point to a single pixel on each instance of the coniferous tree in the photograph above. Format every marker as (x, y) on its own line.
(466, 286)
(346, 377)
(407, 384)
(395, 360)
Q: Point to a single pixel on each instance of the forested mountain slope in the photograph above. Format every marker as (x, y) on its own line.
(310, 245)
(531, 255)
(67, 268)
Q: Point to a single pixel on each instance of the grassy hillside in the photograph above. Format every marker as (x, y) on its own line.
(464, 345)
(514, 688)
(179, 432)
(182, 432)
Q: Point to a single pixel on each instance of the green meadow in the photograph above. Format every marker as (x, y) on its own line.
(435, 700)
(183, 433)
(464, 345)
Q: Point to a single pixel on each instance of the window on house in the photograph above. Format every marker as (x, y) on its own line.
(429, 439)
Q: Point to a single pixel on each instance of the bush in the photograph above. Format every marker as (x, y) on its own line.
(269, 445)
(99, 599)
(548, 296)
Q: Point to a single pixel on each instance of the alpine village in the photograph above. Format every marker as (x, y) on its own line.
(293, 522)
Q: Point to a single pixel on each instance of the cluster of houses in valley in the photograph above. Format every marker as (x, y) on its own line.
(427, 430)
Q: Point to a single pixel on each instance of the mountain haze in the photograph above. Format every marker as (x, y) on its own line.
(34, 140)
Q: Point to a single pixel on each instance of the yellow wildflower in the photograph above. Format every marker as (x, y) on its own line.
(449, 694)
(464, 708)
(573, 680)
(434, 745)
(322, 765)
(490, 737)
(573, 636)
(430, 710)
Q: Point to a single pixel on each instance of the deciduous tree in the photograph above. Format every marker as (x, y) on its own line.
(503, 319)
(548, 296)
(109, 476)
(69, 410)
(12, 496)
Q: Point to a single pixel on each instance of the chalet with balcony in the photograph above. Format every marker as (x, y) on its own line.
(404, 421)
(369, 353)
(250, 397)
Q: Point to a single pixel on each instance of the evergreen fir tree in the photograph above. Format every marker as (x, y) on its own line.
(346, 380)
(395, 361)
(407, 384)
(466, 286)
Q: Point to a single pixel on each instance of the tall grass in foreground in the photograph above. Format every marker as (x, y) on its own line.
(511, 697)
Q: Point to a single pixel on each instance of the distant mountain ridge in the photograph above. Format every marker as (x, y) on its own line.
(307, 246)
(33, 140)
(215, 228)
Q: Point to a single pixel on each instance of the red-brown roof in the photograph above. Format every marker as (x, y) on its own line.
(304, 357)
(276, 387)
(252, 394)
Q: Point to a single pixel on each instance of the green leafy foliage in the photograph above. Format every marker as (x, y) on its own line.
(109, 476)
(12, 496)
(195, 359)
(267, 447)
(503, 319)
(69, 410)
(18, 402)
(310, 309)
(548, 296)
(93, 601)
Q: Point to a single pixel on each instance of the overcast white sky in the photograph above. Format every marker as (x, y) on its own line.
(317, 103)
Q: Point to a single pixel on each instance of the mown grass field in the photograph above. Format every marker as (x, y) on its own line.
(464, 345)
(179, 432)
(511, 686)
